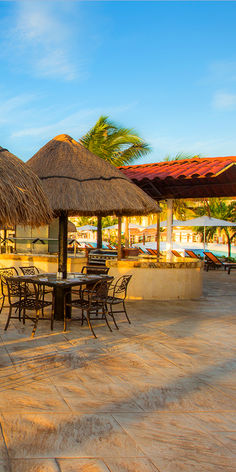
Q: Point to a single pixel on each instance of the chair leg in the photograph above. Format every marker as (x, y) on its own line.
(104, 312)
(126, 313)
(2, 305)
(8, 319)
(113, 318)
(35, 323)
(82, 318)
(89, 323)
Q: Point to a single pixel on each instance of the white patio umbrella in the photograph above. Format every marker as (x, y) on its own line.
(131, 226)
(87, 228)
(204, 221)
(163, 224)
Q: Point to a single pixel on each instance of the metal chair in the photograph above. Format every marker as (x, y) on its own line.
(119, 293)
(4, 273)
(95, 270)
(33, 270)
(20, 299)
(91, 302)
(29, 270)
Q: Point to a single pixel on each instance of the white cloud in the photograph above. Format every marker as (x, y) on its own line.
(43, 40)
(224, 100)
(75, 124)
(9, 107)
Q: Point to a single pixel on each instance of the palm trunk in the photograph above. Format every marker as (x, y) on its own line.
(229, 246)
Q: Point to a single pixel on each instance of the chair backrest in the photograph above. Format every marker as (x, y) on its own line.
(211, 257)
(95, 270)
(192, 254)
(152, 252)
(29, 270)
(99, 292)
(120, 287)
(14, 289)
(4, 274)
(176, 253)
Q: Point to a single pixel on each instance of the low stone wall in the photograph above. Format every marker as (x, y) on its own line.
(44, 262)
(161, 280)
(151, 280)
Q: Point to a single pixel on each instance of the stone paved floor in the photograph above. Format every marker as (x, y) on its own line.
(158, 395)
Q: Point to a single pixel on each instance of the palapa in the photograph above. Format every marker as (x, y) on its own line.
(77, 182)
(22, 199)
(80, 183)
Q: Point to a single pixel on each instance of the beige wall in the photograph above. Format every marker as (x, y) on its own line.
(162, 284)
(146, 283)
(45, 263)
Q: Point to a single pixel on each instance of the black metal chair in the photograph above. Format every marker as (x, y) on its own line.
(91, 301)
(22, 300)
(91, 270)
(4, 273)
(33, 270)
(29, 270)
(95, 270)
(118, 296)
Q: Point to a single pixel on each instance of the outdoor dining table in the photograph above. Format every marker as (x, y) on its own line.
(60, 286)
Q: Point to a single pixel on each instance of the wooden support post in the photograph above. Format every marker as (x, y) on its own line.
(62, 252)
(158, 236)
(169, 228)
(126, 232)
(99, 232)
(119, 239)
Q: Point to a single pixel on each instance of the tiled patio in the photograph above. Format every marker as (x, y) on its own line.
(158, 395)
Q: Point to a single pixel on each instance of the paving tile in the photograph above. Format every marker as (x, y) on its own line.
(174, 436)
(131, 465)
(65, 435)
(34, 465)
(215, 421)
(82, 465)
(183, 465)
(32, 396)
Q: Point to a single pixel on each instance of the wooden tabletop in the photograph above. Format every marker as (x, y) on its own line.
(51, 280)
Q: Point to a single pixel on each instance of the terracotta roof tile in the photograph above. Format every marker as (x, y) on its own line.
(182, 169)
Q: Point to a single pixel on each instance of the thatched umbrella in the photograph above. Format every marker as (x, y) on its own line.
(78, 183)
(22, 199)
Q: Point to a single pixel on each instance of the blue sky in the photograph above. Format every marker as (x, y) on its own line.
(166, 69)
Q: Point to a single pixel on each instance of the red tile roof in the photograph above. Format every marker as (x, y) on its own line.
(182, 169)
(187, 178)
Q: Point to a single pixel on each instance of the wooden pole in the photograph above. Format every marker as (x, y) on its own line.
(62, 252)
(99, 232)
(126, 232)
(169, 228)
(158, 236)
(119, 239)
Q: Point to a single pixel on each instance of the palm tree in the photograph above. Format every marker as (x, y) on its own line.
(181, 207)
(114, 144)
(221, 209)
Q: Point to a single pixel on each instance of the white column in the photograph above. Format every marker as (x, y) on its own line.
(169, 228)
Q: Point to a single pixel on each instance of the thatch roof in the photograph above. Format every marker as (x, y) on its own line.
(22, 200)
(77, 181)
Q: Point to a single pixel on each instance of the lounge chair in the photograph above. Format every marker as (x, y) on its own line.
(215, 263)
(176, 253)
(192, 254)
(151, 252)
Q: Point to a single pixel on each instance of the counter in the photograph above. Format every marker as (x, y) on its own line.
(165, 280)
